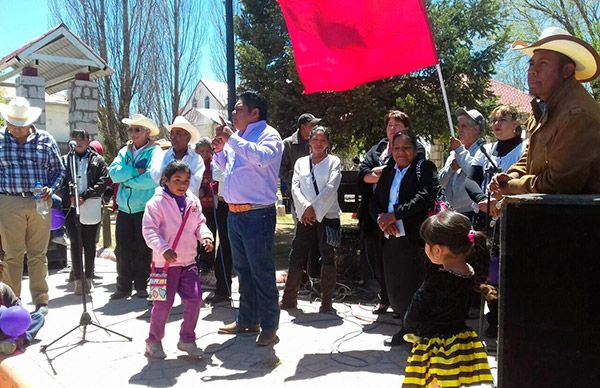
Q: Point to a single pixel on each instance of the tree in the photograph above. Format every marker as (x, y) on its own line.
(155, 58)
(580, 18)
(470, 39)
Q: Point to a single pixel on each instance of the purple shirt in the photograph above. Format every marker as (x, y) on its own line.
(251, 162)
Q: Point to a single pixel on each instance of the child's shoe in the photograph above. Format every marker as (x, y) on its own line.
(7, 347)
(190, 348)
(155, 350)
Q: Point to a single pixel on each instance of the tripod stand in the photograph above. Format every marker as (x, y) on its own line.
(85, 318)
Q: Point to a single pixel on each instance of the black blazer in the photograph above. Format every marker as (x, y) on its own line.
(370, 161)
(416, 196)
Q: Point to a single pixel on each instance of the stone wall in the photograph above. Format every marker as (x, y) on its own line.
(33, 88)
(83, 106)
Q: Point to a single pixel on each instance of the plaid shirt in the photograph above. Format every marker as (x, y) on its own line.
(21, 165)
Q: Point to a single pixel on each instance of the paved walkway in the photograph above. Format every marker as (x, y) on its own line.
(318, 349)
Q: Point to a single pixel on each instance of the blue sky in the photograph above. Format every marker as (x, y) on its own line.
(25, 20)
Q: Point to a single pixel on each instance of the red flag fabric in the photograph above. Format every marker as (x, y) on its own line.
(340, 44)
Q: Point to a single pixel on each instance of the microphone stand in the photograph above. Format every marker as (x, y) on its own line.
(85, 318)
(493, 169)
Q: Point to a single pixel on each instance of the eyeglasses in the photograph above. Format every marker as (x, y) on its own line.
(136, 129)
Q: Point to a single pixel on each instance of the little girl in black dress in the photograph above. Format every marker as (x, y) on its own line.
(446, 352)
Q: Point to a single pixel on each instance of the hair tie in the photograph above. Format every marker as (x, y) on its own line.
(471, 236)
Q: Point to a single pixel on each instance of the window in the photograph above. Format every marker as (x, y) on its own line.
(207, 102)
(194, 103)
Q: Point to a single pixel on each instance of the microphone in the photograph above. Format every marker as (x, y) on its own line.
(72, 145)
(494, 167)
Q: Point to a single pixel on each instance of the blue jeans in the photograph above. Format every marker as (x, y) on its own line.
(251, 237)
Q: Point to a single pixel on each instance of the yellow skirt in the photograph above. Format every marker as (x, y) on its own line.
(457, 361)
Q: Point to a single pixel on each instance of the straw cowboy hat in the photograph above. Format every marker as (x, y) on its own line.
(181, 122)
(19, 113)
(142, 121)
(587, 60)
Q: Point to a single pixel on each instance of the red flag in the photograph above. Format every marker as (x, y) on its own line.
(340, 44)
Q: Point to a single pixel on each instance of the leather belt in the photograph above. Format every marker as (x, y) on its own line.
(245, 207)
(23, 194)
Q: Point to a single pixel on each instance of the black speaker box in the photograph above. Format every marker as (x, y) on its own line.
(549, 328)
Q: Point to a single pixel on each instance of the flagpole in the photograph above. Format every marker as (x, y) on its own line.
(448, 113)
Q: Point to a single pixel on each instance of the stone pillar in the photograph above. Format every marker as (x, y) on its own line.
(83, 106)
(436, 154)
(33, 88)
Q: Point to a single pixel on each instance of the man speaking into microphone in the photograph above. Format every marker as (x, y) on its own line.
(250, 156)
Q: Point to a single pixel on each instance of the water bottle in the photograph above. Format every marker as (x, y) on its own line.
(40, 205)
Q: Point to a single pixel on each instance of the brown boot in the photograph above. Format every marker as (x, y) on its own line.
(328, 281)
(290, 293)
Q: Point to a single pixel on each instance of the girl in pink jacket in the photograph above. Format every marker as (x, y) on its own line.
(174, 250)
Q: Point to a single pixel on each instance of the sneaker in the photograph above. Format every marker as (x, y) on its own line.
(155, 350)
(190, 348)
(7, 347)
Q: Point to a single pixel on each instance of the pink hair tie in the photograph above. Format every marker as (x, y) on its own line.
(471, 236)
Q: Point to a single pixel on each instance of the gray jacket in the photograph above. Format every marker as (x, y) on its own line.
(453, 182)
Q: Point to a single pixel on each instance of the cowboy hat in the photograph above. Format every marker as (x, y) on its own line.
(19, 113)
(181, 122)
(587, 60)
(142, 121)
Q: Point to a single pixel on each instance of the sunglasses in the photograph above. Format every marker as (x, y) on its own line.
(136, 129)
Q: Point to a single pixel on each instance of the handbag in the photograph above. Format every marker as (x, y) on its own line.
(332, 227)
(157, 282)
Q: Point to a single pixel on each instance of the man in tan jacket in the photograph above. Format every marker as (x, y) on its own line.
(563, 155)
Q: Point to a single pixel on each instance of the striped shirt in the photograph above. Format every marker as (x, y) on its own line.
(21, 165)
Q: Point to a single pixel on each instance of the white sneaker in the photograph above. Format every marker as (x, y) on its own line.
(155, 350)
(190, 348)
(7, 347)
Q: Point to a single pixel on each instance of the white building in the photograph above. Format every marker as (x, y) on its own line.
(205, 105)
(57, 113)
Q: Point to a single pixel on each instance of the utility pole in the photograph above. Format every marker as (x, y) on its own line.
(231, 94)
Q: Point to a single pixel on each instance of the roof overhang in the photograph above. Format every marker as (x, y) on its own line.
(58, 55)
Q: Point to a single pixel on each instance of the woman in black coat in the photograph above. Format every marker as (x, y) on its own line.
(404, 194)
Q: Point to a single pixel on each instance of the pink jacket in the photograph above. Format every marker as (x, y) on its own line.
(161, 222)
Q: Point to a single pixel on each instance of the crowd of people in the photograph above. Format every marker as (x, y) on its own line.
(172, 204)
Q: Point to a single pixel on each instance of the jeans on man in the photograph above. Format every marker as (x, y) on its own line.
(251, 236)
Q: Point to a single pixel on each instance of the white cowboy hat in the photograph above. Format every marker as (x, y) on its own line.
(181, 122)
(18, 112)
(142, 121)
(587, 60)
